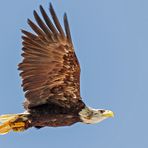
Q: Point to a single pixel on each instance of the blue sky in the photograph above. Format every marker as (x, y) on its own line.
(111, 42)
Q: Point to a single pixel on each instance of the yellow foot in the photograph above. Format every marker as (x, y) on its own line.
(18, 126)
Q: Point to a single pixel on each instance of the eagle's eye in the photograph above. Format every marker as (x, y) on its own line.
(102, 111)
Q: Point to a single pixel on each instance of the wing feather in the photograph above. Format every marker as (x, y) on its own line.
(50, 70)
(48, 21)
(56, 21)
(67, 29)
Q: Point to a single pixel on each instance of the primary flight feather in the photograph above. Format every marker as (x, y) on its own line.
(50, 74)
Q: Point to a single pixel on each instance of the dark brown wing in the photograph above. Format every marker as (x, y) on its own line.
(50, 69)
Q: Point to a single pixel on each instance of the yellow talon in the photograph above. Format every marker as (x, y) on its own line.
(18, 126)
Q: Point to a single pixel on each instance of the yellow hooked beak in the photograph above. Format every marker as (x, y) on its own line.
(108, 113)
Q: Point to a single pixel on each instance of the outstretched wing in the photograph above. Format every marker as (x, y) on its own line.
(50, 69)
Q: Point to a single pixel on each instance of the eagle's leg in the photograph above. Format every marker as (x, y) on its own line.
(18, 126)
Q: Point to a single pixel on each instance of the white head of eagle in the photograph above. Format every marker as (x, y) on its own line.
(91, 116)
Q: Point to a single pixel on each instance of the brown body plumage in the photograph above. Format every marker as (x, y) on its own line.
(54, 115)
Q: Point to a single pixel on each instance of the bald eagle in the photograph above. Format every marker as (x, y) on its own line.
(50, 74)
